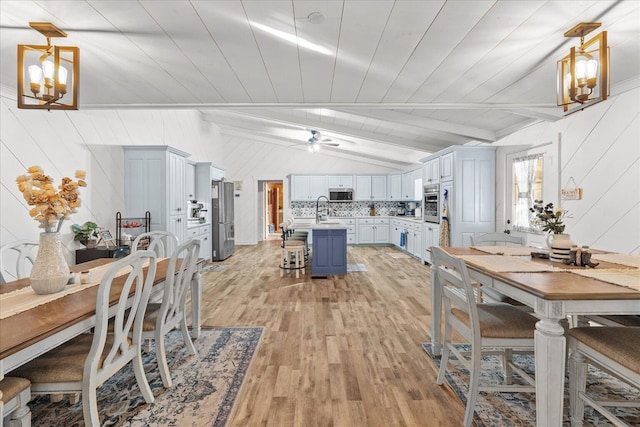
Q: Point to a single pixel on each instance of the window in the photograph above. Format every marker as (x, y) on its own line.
(527, 187)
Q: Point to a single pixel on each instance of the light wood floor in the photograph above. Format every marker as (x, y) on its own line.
(342, 351)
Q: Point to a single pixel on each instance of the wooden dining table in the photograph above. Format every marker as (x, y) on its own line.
(30, 333)
(553, 295)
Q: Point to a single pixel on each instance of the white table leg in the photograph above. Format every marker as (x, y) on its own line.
(550, 348)
(436, 313)
(196, 299)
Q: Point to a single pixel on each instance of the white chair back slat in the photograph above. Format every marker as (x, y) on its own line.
(16, 260)
(496, 239)
(163, 243)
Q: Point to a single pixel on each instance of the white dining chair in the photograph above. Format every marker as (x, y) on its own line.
(496, 239)
(612, 349)
(161, 318)
(16, 260)
(163, 243)
(15, 393)
(486, 326)
(88, 360)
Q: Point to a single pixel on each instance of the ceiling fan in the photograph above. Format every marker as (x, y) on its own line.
(316, 141)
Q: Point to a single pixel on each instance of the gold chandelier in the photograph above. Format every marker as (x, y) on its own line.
(583, 75)
(48, 69)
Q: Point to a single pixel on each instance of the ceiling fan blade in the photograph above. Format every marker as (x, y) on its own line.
(329, 144)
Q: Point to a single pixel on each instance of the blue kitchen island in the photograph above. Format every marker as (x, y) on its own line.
(329, 251)
(328, 241)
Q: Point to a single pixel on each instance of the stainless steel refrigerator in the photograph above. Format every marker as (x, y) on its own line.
(222, 220)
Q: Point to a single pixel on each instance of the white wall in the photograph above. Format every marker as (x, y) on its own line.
(251, 161)
(63, 141)
(600, 149)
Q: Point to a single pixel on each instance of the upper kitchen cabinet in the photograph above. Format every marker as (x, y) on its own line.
(412, 186)
(395, 187)
(340, 181)
(205, 173)
(432, 171)
(308, 187)
(190, 178)
(371, 187)
(446, 166)
(155, 181)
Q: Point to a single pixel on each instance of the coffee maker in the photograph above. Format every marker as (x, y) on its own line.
(410, 209)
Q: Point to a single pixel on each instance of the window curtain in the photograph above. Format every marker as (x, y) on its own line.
(524, 171)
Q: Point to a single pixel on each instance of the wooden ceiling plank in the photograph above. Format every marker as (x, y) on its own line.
(358, 42)
(452, 24)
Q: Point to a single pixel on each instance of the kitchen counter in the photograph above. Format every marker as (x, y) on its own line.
(323, 225)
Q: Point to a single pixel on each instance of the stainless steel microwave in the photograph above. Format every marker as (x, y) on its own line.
(340, 195)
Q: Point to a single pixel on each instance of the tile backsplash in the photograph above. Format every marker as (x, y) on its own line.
(345, 209)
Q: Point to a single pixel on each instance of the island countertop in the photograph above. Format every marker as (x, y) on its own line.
(323, 225)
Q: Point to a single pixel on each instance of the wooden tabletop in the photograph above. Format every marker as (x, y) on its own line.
(28, 327)
(557, 286)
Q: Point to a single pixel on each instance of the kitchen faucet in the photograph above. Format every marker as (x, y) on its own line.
(318, 208)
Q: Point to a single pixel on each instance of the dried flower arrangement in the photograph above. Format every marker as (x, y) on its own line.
(50, 207)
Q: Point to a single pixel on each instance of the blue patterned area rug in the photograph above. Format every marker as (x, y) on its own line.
(204, 389)
(519, 409)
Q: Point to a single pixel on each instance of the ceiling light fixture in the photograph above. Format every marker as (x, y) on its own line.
(49, 69)
(583, 75)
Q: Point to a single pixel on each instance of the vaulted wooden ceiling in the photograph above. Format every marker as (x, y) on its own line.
(390, 81)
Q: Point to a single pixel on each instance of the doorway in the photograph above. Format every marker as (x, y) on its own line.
(273, 209)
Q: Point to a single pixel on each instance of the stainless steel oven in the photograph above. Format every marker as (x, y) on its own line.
(431, 203)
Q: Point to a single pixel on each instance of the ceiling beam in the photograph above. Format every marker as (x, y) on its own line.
(421, 124)
(427, 147)
(332, 151)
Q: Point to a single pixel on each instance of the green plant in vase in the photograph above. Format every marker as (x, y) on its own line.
(85, 233)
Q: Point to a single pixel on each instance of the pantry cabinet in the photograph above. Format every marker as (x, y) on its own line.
(467, 175)
(155, 181)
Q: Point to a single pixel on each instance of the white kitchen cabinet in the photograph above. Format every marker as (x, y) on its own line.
(431, 237)
(155, 182)
(412, 185)
(413, 240)
(395, 187)
(202, 233)
(340, 181)
(373, 230)
(446, 166)
(468, 174)
(378, 187)
(396, 228)
(432, 171)
(190, 177)
(371, 188)
(352, 230)
(308, 187)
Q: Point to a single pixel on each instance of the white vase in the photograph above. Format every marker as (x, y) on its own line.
(559, 247)
(50, 272)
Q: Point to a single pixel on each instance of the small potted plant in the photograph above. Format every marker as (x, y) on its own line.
(87, 233)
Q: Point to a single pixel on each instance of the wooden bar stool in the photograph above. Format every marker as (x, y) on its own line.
(293, 257)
